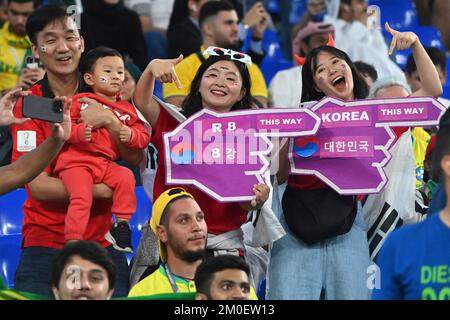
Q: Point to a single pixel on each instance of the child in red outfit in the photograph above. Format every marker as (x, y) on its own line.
(90, 156)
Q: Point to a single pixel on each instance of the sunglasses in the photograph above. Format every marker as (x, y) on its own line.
(175, 191)
(234, 55)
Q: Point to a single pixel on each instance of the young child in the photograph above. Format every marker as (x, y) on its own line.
(89, 158)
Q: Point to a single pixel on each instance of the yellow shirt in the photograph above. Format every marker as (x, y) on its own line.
(13, 50)
(158, 283)
(187, 69)
(420, 143)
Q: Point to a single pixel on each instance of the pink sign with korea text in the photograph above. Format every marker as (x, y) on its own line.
(352, 145)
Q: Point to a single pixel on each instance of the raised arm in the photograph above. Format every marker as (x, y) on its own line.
(158, 69)
(431, 85)
(29, 166)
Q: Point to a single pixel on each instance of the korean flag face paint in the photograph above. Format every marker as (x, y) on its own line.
(103, 79)
(43, 48)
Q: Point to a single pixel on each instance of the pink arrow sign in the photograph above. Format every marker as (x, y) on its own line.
(351, 147)
(224, 154)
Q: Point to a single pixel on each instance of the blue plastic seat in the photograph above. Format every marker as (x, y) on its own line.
(11, 217)
(269, 67)
(399, 13)
(9, 257)
(429, 37)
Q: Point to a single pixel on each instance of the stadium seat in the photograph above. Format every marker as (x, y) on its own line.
(158, 90)
(11, 226)
(270, 66)
(399, 13)
(11, 215)
(429, 37)
(9, 257)
(273, 6)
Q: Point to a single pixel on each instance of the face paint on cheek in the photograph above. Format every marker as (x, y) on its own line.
(321, 80)
(344, 66)
(103, 80)
(43, 48)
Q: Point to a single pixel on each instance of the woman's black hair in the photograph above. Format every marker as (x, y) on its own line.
(193, 102)
(309, 92)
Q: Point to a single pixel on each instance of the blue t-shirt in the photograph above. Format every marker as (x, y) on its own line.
(415, 262)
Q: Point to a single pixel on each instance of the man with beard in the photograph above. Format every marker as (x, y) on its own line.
(179, 223)
(218, 22)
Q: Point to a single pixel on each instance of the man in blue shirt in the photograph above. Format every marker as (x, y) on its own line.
(415, 259)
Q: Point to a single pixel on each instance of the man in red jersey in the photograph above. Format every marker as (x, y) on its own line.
(57, 43)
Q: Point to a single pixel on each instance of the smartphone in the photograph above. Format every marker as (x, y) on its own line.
(32, 62)
(42, 108)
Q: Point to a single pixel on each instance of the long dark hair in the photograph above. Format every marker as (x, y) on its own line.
(309, 92)
(193, 102)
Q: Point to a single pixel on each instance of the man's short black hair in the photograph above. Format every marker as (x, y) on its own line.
(35, 2)
(442, 147)
(366, 69)
(88, 250)
(212, 8)
(204, 274)
(43, 16)
(436, 55)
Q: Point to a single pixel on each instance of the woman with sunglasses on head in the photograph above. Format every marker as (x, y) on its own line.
(222, 84)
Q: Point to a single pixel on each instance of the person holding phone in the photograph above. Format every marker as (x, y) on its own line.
(57, 43)
(15, 49)
(29, 166)
(91, 153)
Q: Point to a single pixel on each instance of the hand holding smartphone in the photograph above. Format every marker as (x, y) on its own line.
(43, 108)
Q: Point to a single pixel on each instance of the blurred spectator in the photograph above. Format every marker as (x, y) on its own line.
(355, 37)
(440, 62)
(223, 278)
(3, 12)
(185, 37)
(367, 71)
(430, 184)
(109, 23)
(435, 12)
(82, 270)
(179, 223)
(29, 166)
(285, 89)
(316, 11)
(219, 24)
(154, 16)
(15, 52)
(413, 256)
(15, 49)
(132, 75)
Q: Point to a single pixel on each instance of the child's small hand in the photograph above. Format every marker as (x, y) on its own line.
(88, 133)
(401, 40)
(125, 134)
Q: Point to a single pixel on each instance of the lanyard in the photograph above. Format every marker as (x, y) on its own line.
(15, 56)
(171, 279)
